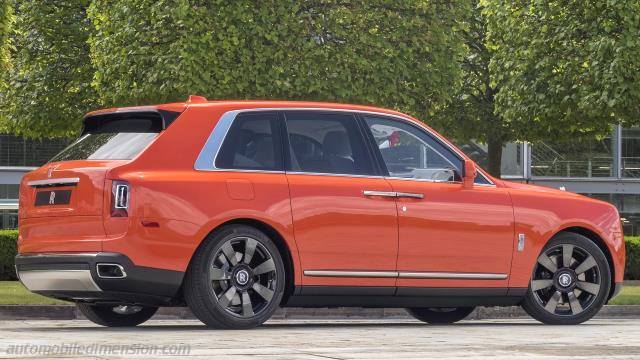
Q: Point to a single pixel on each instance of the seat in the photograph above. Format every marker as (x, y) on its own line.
(337, 152)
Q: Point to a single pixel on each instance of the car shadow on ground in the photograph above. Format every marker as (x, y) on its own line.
(288, 326)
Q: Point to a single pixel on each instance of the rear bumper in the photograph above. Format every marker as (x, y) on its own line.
(74, 277)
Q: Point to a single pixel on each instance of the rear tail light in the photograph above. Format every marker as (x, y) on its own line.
(120, 199)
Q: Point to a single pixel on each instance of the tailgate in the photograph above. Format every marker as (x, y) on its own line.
(70, 188)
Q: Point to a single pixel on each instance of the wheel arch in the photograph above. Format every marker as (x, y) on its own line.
(278, 240)
(596, 239)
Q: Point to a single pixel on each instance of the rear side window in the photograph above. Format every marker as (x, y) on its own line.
(113, 137)
(326, 143)
(252, 143)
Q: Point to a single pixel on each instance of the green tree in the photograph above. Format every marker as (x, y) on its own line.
(565, 68)
(390, 53)
(6, 18)
(49, 81)
(471, 113)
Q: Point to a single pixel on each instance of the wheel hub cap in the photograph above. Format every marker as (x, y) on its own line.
(565, 280)
(242, 277)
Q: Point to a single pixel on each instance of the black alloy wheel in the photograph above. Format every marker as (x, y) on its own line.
(236, 280)
(570, 281)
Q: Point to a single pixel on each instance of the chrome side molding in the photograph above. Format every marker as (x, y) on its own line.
(54, 182)
(405, 274)
(452, 275)
(363, 274)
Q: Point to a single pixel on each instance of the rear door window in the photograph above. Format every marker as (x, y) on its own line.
(113, 137)
(326, 143)
(252, 143)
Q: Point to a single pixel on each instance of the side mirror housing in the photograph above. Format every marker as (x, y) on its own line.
(470, 172)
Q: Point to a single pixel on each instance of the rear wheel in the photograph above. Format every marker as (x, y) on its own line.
(440, 315)
(570, 281)
(117, 316)
(236, 280)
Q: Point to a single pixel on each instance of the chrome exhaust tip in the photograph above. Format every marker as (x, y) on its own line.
(110, 271)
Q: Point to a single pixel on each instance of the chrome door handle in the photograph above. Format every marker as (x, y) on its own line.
(409, 195)
(393, 194)
(379, 193)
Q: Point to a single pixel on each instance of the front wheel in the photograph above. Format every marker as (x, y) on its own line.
(570, 281)
(117, 316)
(440, 315)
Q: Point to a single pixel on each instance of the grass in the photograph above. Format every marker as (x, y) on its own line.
(13, 293)
(630, 295)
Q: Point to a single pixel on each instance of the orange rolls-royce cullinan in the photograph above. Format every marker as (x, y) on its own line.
(234, 208)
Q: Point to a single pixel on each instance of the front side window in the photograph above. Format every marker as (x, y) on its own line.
(409, 152)
(252, 144)
(326, 143)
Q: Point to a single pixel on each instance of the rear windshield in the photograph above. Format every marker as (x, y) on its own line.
(112, 139)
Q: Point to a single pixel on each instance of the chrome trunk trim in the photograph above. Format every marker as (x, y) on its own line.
(52, 182)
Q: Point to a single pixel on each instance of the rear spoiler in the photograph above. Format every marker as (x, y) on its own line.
(164, 118)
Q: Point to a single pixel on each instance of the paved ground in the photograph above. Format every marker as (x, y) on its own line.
(316, 339)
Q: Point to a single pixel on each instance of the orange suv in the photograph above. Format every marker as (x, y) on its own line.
(237, 207)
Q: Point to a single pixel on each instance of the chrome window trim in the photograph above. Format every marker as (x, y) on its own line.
(405, 274)
(332, 174)
(206, 159)
(214, 142)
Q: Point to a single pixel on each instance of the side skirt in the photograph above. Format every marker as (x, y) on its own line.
(350, 296)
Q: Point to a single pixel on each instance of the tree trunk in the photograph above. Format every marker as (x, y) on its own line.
(495, 156)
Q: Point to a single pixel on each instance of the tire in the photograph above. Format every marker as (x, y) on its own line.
(568, 294)
(117, 316)
(258, 277)
(440, 315)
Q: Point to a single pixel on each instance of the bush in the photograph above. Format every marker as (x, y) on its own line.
(632, 268)
(8, 251)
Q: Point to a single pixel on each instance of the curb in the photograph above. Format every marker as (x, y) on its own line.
(69, 312)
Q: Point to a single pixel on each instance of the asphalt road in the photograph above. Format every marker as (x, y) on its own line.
(315, 339)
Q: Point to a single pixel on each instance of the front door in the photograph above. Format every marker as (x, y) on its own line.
(449, 235)
(345, 227)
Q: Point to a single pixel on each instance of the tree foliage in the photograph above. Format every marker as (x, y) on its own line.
(471, 113)
(6, 19)
(49, 80)
(390, 53)
(565, 68)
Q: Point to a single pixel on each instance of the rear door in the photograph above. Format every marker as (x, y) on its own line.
(344, 222)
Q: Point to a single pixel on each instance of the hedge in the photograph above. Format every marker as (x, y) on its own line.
(8, 242)
(632, 268)
(8, 239)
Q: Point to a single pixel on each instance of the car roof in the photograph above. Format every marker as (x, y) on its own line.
(251, 104)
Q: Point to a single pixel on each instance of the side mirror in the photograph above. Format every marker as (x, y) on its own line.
(470, 173)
